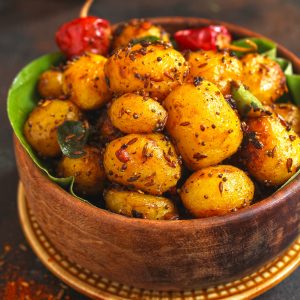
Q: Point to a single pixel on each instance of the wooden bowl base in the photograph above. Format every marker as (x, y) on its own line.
(97, 287)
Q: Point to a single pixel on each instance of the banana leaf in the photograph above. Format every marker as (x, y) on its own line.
(22, 98)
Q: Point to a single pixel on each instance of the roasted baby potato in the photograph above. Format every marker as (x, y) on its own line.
(204, 127)
(84, 82)
(271, 151)
(50, 84)
(146, 162)
(88, 171)
(290, 113)
(138, 205)
(264, 77)
(217, 191)
(220, 68)
(133, 113)
(40, 128)
(136, 29)
(156, 68)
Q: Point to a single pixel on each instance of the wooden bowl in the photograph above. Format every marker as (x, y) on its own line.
(164, 255)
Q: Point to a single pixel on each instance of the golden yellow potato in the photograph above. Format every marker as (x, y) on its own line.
(264, 77)
(217, 190)
(88, 171)
(219, 68)
(84, 82)
(205, 128)
(290, 113)
(133, 113)
(138, 205)
(272, 150)
(50, 84)
(136, 29)
(40, 128)
(156, 68)
(146, 162)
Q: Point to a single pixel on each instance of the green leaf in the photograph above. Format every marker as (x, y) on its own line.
(246, 102)
(264, 46)
(285, 65)
(22, 98)
(72, 137)
(148, 38)
(293, 83)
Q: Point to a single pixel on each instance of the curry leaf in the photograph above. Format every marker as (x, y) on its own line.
(293, 83)
(148, 38)
(72, 137)
(246, 102)
(264, 46)
(285, 65)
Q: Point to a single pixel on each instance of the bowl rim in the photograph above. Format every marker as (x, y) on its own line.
(266, 204)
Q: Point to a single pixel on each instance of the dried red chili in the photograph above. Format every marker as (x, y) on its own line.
(206, 38)
(84, 34)
(212, 37)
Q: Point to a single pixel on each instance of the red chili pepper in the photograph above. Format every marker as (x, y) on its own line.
(207, 38)
(84, 34)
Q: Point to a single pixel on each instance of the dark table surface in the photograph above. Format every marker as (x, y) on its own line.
(26, 32)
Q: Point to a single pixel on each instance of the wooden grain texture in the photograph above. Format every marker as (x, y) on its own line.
(174, 255)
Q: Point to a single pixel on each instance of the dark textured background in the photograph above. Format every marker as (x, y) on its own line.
(26, 32)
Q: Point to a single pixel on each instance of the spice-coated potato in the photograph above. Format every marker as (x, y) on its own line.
(204, 127)
(264, 77)
(133, 113)
(290, 113)
(84, 82)
(219, 68)
(146, 162)
(138, 205)
(216, 191)
(156, 68)
(272, 150)
(88, 171)
(137, 29)
(40, 129)
(50, 84)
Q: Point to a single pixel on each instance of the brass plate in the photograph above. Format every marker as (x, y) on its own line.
(97, 287)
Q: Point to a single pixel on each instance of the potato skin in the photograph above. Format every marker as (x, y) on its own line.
(136, 29)
(40, 129)
(219, 68)
(290, 113)
(146, 162)
(264, 77)
(84, 82)
(50, 84)
(133, 113)
(271, 151)
(134, 204)
(203, 125)
(88, 171)
(218, 190)
(156, 68)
